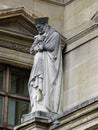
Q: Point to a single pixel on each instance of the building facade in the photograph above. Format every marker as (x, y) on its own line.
(77, 23)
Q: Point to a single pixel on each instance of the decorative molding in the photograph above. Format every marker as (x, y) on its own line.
(95, 17)
(57, 2)
(10, 12)
(60, 2)
(82, 33)
(21, 19)
(82, 37)
(17, 46)
(79, 116)
(14, 46)
(79, 106)
(15, 58)
(16, 35)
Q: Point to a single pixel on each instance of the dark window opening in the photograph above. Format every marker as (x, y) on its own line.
(14, 97)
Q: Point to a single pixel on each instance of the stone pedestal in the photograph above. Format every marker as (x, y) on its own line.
(36, 121)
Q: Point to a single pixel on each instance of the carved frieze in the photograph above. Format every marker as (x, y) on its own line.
(14, 46)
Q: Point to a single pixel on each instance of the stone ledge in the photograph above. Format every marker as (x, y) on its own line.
(15, 58)
(36, 120)
(60, 2)
(81, 38)
(80, 117)
(38, 116)
(78, 107)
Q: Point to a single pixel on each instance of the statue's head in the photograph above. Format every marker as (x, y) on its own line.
(41, 24)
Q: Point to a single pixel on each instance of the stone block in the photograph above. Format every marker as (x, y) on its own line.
(36, 121)
(39, 115)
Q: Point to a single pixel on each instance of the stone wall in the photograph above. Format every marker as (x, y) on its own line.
(77, 16)
(81, 73)
(81, 55)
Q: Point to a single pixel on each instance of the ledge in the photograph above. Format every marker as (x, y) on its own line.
(59, 2)
(82, 38)
(79, 116)
(15, 58)
(16, 34)
(33, 120)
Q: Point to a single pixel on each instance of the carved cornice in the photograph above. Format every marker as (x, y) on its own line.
(10, 12)
(95, 17)
(83, 113)
(59, 2)
(15, 35)
(82, 37)
(82, 33)
(15, 58)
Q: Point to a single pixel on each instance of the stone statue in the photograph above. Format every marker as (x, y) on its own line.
(45, 82)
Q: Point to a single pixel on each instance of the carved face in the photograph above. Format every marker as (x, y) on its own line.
(41, 28)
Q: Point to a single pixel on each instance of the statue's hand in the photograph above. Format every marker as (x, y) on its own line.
(39, 38)
(35, 49)
(40, 47)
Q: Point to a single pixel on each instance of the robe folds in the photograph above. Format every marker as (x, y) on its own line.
(48, 67)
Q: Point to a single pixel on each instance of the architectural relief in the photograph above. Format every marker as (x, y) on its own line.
(14, 46)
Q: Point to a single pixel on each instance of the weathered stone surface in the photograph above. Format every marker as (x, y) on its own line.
(77, 16)
(14, 46)
(39, 115)
(81, 117)
(80, 73)
(36, 121)
(18, 59)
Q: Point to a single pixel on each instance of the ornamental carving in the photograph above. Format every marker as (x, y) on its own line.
(14, 46)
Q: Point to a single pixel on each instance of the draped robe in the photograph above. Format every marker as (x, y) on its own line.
(48, 67)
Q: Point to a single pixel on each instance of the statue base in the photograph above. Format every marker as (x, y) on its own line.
(36, 121)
